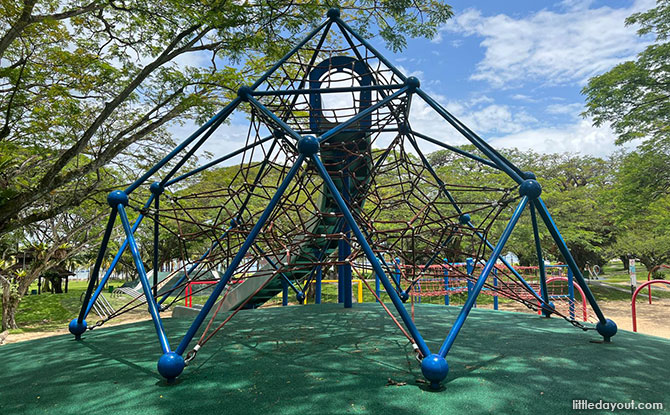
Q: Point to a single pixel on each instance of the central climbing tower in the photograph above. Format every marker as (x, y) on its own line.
(333, 176)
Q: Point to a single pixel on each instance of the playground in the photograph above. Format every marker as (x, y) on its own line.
(333, 268)
(292, 359)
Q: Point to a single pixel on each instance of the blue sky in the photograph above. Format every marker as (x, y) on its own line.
(511, 71)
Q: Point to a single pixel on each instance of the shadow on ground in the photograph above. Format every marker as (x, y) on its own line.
(328, 360)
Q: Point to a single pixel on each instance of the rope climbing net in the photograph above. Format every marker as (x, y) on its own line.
(334, 176)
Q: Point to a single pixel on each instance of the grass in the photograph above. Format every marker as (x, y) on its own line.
(48, 312)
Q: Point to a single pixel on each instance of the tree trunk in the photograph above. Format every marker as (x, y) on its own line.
(624, 259)
(9, 305)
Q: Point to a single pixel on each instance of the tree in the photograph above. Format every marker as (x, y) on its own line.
(85, 84)
(634, 96)
(642, 205)
(51, 242)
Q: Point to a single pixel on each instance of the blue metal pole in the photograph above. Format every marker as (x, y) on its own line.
(156, 232)
(116, 259)
(317, 288)
(502, 163)
(377, 288)
(281, 61)
(446, 282)
(284, 292)
(362, 114)
(460, 320)
(470, 269)
(305, 91)
(560, 243)
(540, 262)
(346, 268)
(218, 289)
(96, 268)
(345, 27)
(456, 150)
(571, 293)
(146, 286)
(221, 114)
(495, 285)
(509, 266)
(395, 299)
(217, 161)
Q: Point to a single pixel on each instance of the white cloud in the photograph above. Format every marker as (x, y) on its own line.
(553, 48)
(579, 137)
(573, 109)
(506, 126)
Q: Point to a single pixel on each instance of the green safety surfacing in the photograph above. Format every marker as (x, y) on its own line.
(330, 360)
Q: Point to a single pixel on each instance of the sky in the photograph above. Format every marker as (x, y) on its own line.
(513, 71)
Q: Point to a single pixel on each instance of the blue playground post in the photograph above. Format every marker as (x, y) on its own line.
(218, 289)
(317, 288)
(446, 282)
(284, 292)
(495, 285)
(470, 302)
(78, 326)
(470, 269)
(571, 293)
(546, 305)
(89, 304)
(605, 327)
(395, 299)
(146, 285)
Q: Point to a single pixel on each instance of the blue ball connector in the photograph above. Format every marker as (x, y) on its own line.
(607, 330)
(547, 313)
(530, 188)
(434, 369)
(116, 198)
(170, 365)
(77, 328)
(464, 219)
(404, 296)
(300, 296)
(308, 145)
(333, 13)
(156, 188)
(412, 83)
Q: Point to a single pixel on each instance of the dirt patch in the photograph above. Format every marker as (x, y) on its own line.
(123, 319)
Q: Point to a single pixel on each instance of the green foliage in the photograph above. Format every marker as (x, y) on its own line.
(635, 96)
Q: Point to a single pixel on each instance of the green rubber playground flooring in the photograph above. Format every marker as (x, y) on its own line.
(328, 360)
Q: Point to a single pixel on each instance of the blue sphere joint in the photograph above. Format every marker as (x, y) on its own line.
(413, 83)
(170, 365)
(300, 296)
(404, 296)
(244, 92)
(530, 188)
(308, 145)
(77, 328)
(156, 188)
(404, 128)
(434, 369)
(607, 330)
(464, 219)
(116, 198)
(529, 175)
(548, 313)
(333, 13)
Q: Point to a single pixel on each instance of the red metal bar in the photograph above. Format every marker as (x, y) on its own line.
(188, 292)
(633, 310)
(581, 292)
